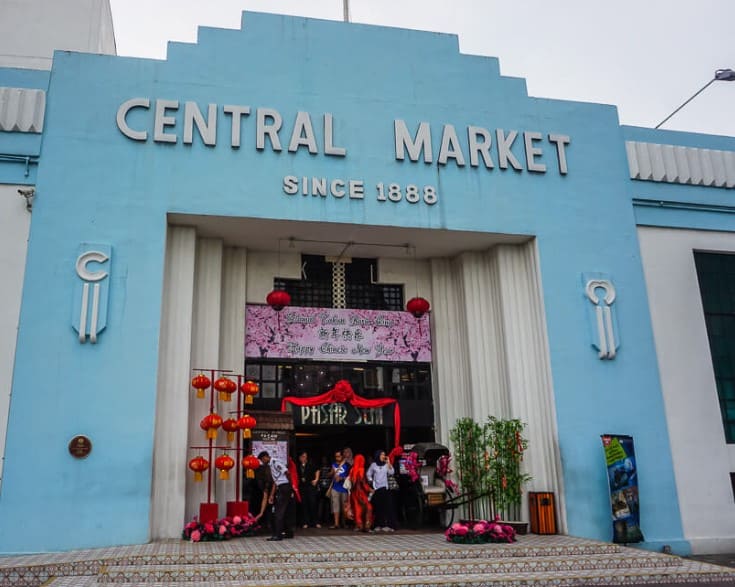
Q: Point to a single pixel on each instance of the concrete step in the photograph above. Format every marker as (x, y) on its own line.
(328, 560)
(378, 568)
(366, 553)
(684, 577)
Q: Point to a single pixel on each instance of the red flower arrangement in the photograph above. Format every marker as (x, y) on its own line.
(480, 532)
(443, 470)
(411, 464)
(224, 529)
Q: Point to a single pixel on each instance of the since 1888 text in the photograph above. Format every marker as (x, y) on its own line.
(355, 189)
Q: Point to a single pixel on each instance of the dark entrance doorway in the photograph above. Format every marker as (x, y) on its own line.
(321, 442)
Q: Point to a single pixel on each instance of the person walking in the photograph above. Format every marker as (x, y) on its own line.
(340, 470)
(280, 495)
(377, 476)
(261, 492)
(308, 476)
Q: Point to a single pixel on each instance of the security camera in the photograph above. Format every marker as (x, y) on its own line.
(28, 194)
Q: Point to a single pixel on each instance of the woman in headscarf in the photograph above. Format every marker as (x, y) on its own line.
(360, 495)
(377, 476)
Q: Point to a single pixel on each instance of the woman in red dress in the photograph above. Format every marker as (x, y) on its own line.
(360, 494)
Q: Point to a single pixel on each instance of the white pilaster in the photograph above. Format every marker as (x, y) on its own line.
(488, 380)
(172, 402)
(450, 357)
(528, 367)
(232, 347)
(205, 337)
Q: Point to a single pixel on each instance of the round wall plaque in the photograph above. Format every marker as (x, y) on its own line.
(80, 446)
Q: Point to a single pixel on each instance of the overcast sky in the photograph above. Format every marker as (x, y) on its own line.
(645, 56)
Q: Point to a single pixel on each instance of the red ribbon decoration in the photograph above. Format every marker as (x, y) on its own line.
(342, 393)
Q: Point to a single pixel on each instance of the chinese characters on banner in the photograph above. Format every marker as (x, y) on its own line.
(622, 477)
(336, 334)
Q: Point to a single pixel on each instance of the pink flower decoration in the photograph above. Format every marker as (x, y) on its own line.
(209, 528)
(236, 520)
(461, 531)
(196, 536)
(478, 528)
(222, 530)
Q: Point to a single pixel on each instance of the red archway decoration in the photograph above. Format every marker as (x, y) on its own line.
(342, 393)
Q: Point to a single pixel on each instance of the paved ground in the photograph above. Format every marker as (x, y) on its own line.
(725, 560)
(330, 558)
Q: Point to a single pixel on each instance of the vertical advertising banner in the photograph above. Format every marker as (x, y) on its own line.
(622, 477)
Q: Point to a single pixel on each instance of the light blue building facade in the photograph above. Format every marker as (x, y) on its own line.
(147, 166)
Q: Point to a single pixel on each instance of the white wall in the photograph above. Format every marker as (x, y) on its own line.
(30, 30)
(15, 223)
(702, 459)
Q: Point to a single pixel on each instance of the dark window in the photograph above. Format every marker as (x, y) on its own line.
(716, 274)
(314, 290)
(403, 381)
(364, 294)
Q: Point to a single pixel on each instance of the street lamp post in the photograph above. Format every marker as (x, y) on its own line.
(721, 75)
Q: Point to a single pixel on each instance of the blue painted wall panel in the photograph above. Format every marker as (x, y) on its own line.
(99, 186)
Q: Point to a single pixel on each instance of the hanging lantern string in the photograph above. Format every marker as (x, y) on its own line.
(415, 270)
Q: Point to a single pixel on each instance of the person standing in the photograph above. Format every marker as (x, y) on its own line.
(280, 495)
(347, 456)
(340, 470)
(377, 476)
(308, 476)
(360, 495)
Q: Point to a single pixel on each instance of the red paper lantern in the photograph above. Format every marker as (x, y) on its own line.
(249, 389)
(198, 465)
(201, 383)
(224, 463)
(210, 424)
(225, 387)
(278, 299)
(417, 306)
(230, 425)
(250, 463)
(246, 424)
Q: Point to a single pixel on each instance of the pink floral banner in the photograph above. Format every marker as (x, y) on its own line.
(336, 335)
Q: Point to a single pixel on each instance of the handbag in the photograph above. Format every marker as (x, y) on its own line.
(329, 490)
(347, 484)
(392, 483)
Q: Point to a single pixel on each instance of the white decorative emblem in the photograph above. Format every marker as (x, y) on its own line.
(606, 342)
(90, 308)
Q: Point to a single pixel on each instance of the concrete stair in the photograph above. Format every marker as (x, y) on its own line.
(369, 560)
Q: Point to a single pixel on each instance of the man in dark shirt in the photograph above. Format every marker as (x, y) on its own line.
(308, 482)
(261, 492)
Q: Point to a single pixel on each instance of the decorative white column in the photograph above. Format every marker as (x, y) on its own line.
(172, 400)
(232, 348)
(488, 379)
(451, 381)
(15, 222)
(205, 337)
(528, 367)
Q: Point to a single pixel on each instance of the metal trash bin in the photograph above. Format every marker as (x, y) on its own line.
(543, 512)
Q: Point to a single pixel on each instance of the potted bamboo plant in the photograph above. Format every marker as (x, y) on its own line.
(489, 460)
